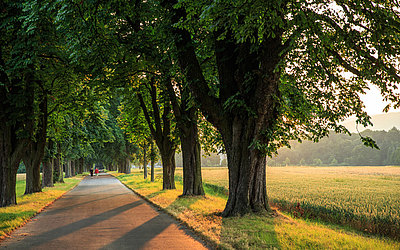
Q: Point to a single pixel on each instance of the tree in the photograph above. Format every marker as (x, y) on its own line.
(17, 79)
(280, 67)
(186, 115)
(47, 177)
(134, 124)
(152, 104)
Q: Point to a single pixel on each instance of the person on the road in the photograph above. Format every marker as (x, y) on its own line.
(96, 171)
(91, 172)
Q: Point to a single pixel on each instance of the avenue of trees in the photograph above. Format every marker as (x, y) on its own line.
(107, 81)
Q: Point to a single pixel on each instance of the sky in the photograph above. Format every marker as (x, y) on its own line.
(373, 101)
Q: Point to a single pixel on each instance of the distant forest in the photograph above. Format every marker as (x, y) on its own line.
(342, 150)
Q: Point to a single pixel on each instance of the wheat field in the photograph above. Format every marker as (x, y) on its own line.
(364, 198)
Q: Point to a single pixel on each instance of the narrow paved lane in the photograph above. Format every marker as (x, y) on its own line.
(101, 213)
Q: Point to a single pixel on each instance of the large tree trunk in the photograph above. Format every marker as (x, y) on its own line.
(11, 151)
(168, 162)
(247, 170)
(8, 180)
(192, 180)
(67, 167)
(10, 156)
(47, 178)
(32, 160)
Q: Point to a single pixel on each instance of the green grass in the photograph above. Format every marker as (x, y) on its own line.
(12, 217)
(282, 231)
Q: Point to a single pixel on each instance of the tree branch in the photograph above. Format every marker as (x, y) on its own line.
(342, 62)
(190, 66)
(147, 116)
(154, 104)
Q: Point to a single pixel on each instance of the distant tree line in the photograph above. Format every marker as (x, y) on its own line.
(342, 150)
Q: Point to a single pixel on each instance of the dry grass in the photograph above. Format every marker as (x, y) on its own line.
(252, 231)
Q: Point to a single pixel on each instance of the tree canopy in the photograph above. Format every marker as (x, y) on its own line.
(262, 73)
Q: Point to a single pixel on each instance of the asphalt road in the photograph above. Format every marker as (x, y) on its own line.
(101, 213)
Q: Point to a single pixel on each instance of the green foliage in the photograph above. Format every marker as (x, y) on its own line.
(329, 53)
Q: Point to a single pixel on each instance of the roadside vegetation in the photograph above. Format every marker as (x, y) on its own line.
(14, 216)
(291, 226)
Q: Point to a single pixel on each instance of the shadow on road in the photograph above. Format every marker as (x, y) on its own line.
(37, 240)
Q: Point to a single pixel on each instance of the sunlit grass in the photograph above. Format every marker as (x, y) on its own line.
(365, 198)
(28, 205)
(251, 231)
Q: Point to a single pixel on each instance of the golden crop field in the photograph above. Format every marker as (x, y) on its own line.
(365, 198)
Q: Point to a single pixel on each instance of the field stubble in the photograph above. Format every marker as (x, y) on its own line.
(364, 198)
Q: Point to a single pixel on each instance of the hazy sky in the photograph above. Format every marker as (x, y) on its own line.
(373, 101)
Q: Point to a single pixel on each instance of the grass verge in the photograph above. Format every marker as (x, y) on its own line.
(15, 216)
(202, 214)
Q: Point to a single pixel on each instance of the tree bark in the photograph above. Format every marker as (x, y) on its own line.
(32, 160)
(144, 160)
(124, 166)
(67, 166)
(8, 179)
(47, 178)
(10, 155)
(127, 166)
(47, 173)
(152, 161)
(121, 166)
(247, 171)
(192, 180)
(73, 167)
(58, 168)
(168, 161)
(80, 166)
(186, 116)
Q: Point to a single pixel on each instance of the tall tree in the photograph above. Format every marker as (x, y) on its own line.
(187, 117)
(17, 78)
(280, 74)
(156, 110)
